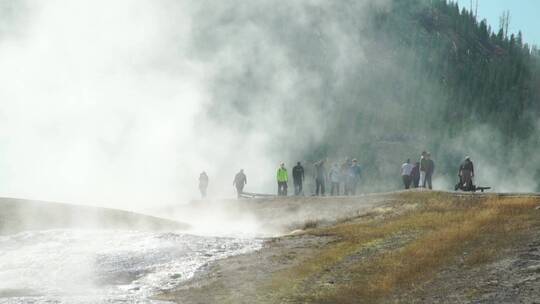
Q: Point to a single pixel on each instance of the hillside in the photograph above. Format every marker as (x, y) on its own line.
(450, 84)
(424, 247)
(380, 81)
(18, 214)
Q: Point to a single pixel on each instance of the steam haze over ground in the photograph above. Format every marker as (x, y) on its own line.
(121, 104)
(124, 103)
(112, 102)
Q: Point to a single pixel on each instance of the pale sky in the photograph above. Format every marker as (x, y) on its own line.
(524, 16)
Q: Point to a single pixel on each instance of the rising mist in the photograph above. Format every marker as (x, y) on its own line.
(124, 103)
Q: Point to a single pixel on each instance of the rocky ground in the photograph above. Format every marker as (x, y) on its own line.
(238, 279)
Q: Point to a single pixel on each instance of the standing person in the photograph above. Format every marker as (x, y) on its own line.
(466, 173)
(345, 176)
(430, 168)
(354, 175)
(320, 177)
(203, 184)
(406, 170)
(240, 180)
(415, 175)
(423, 166)
(282, 179)
(298, 178)
(335, 178)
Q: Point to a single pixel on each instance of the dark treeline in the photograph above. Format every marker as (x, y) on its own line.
(489, 76)
(466, 80)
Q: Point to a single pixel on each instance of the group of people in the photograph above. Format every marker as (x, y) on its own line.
(348, 175)
(345, 176)
(419, 174)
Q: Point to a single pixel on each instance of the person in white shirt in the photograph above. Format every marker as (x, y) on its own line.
(423, 169)
(335, 177)
(406, 170)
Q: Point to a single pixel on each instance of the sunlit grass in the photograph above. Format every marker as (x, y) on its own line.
(441, 227)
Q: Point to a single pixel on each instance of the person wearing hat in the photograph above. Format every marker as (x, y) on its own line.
(282, 179)
(466, 173)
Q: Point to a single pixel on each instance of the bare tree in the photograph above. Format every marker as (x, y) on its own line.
(504, 22)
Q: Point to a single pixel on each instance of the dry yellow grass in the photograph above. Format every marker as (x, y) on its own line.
(442, 228)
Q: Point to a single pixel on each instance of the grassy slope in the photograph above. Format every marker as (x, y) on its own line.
(432, 237)
(380, 257)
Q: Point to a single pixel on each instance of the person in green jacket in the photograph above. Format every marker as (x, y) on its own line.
(282, 179)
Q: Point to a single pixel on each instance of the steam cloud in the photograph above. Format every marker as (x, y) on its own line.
(124, 103)
(117, 102)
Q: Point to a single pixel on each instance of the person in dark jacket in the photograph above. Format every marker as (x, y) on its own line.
(320, 177)
(240, 180)
(298, 178)
(430, 168)
(203, 183)
(466, 173)
(415, 175)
